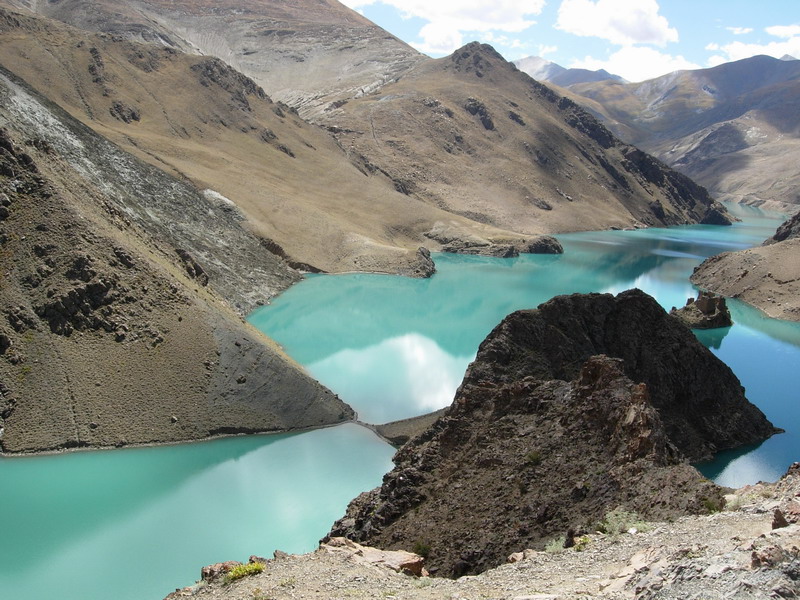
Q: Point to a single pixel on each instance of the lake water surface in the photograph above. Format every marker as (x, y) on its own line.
(137, 523)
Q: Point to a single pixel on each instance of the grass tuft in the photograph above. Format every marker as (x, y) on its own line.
(244, 570)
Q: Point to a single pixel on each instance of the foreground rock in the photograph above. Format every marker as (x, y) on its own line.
(121, 302)
(726, 555)
(708, 311)
(586, 404)
(767, 276)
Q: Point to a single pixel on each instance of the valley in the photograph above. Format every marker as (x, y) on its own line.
(241, 217)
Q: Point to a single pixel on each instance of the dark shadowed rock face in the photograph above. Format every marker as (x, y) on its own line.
(549, 432)
(788, 230)
(513, 464)
(700, 400)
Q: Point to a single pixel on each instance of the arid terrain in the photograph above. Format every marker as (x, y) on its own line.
(731, 554)
(767, 276)
(422, 150)
(732, 128)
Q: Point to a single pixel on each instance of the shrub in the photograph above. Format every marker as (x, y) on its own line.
(533, 458)
(555, 545)
(619, 521)
(421, 548)
(245, 570)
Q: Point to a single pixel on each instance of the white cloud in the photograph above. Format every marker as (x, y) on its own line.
(715, 60)
(784, 31)
(740, 50)
(637, 63)
(544, 50)
(449, 20)
(788, 44)
(622, 22)
(740, 30)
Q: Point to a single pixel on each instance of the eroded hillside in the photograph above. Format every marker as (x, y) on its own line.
(543, 166)
(121, 307)
(733, 127)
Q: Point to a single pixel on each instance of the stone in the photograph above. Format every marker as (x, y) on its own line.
(778, 520)
(399, 561)
(211, 572)
(708, 311)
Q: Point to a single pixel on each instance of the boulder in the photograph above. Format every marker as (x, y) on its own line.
(709, 311)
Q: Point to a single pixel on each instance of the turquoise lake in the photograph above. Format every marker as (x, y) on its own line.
(137, 523)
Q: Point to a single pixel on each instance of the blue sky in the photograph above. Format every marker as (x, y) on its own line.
(637, 39)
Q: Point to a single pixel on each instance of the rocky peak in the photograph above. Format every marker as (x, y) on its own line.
(584, 405)
(700, 400)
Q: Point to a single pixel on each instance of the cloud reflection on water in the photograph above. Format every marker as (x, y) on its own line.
(400, 377)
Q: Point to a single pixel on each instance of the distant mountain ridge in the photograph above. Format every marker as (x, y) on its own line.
(544, 70)
(454, 152)
(733, 127)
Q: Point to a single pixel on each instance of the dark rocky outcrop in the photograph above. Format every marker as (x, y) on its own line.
(586, 404)
(708, 311)
(788, 230)
(701, 401)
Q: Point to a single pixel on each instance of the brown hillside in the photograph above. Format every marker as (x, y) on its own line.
(202, 121)
(475, 136)
(564, 174)
(733, 127)
(120, 320)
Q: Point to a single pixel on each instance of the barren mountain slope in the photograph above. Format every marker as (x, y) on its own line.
(201, 120)
(733, 127)
(475, 136)
(307, 53)
(767, 276)
(346, 77)
(121, 299)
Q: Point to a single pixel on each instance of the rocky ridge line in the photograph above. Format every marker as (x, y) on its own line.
(588, 403)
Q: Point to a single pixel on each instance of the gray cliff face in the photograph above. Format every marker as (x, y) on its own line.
(586, 404)
(122, 300)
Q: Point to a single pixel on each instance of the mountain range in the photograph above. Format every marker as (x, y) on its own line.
(733, 128)
(545, 70)
(223, 146)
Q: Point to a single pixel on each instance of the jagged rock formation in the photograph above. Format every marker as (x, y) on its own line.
(708, 311)
(767, 276)
(549, 432)
(120, 320)
(733, 128)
